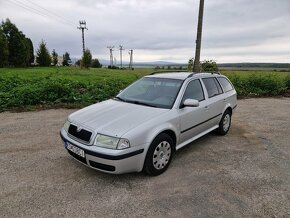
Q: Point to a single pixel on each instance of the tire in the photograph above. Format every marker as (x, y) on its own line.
(225, 123)
(159, 155)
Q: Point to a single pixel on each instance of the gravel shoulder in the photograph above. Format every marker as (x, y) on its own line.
(243, 174)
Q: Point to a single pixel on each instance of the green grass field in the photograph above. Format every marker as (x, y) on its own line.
(30, 88)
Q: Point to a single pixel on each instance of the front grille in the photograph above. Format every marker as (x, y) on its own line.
(83, 134)
(81, 159)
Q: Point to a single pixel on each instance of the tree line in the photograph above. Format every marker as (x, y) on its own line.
(16, 50)
(43, 58)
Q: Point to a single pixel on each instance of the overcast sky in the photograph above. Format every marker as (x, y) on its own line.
(233, 30)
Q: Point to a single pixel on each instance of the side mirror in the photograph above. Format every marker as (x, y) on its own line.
(190, 103)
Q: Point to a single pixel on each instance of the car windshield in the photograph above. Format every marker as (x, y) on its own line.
(153, 92)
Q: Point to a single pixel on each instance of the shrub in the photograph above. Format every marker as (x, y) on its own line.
(96, 64)
(209, 66)
(258, 85)
(287, 82)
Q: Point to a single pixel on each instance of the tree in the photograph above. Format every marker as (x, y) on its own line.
(4, 51)
(42, 55)
(96, 64)
(86, 59)
(190, 64)
(209, 66)
(66, 59)
(18, 45)
(31, 50)
(29, 57)
(78, 62)
(54, 56)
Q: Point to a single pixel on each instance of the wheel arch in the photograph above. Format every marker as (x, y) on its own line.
(172, 135)
(229, 108)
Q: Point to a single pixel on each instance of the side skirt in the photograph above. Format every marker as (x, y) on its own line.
(196, 137)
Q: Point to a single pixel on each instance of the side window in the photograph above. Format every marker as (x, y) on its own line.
(218, 86)
(212, 87)
(225, 84)
(193, 91)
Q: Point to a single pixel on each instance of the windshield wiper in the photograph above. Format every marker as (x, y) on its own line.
(142, 103)
(133, 101)
(119, 98)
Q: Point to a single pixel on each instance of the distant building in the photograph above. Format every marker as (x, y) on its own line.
(59, 60)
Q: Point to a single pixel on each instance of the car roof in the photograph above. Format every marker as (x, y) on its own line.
(181, 75)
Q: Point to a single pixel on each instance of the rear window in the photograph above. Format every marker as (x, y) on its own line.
(225, 84)
(212, 86)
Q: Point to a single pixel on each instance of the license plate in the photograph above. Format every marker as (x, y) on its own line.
(75, 150)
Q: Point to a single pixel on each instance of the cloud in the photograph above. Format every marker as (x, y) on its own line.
(237, 30)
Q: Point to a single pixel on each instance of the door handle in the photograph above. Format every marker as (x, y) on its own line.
(206, 107)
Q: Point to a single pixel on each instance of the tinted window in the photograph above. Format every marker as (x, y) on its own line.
(225, 84)
(212, 87)
(218, 86)
(193, 91)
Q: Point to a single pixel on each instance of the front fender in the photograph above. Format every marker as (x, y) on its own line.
(146, 133)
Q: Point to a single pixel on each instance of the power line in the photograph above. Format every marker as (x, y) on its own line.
(27, 8)
(39, 12)
(51, 12)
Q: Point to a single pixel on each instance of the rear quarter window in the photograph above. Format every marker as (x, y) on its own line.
(212, 86)
(227, 86)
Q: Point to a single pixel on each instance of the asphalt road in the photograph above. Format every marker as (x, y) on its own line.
(243, 174)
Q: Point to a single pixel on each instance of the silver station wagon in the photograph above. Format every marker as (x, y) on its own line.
(142, 127)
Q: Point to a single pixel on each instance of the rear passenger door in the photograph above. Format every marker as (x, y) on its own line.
(215, 101)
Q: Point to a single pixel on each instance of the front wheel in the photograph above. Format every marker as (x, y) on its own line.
(225, 123)
(159, 155)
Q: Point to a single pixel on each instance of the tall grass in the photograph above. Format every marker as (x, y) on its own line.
(259, 85)
(22, 88)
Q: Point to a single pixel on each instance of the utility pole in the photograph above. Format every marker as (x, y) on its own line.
(131, 59)
(111, 55)
(121, 49)
(196, 65)
(83, 27)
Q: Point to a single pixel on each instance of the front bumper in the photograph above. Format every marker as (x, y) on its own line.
(107, 160)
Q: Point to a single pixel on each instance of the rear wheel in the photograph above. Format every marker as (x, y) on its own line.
(225, 123)
(159, 155)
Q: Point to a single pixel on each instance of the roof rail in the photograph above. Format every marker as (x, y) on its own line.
(169, 71)
(190, 75)
(211, 72)
(215, 72)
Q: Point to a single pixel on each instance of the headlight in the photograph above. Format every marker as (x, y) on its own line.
(111, 142)
(66, 125)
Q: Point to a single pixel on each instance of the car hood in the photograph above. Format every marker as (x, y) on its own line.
(113, 117)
